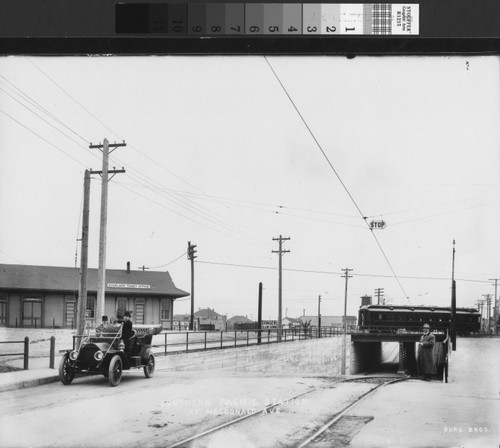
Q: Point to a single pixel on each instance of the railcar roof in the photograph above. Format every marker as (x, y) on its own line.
(409, 309)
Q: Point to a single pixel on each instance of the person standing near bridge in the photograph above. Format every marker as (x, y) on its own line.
(426, 362)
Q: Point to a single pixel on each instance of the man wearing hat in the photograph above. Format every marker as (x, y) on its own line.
(426, 353)
(127, 331)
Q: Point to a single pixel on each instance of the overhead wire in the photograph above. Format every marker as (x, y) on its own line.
(170, 262)
(45, 121)
(115, 133)
(204, 194)
(282, 210)
(69, 95)
(42, 138)
(344, 186)
(313, 271)
(142, 178)
(21, 93)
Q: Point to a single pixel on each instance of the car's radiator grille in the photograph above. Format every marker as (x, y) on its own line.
(86, 356)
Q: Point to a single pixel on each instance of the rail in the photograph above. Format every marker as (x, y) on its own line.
(195, 341)
(26, 351)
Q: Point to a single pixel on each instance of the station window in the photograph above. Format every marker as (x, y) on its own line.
(70, 316)
(32, 312)
(139, 311)
(121, 306)
(165, 309)
(3, 310)
(90, 313)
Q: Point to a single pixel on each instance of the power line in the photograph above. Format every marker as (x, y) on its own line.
(148, 182)
(338, 177)
(311, 271)
(41, 118)
(42, 138)
(170, 262)
(70, 96)
(35, 103)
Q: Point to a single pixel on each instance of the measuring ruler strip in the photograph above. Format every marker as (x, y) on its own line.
(254, 19)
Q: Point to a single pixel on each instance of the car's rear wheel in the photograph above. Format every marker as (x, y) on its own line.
(66, 374)
(115, 371)
(149, 368)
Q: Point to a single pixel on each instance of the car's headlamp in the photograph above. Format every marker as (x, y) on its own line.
(73, 355)
(98, 355)
(121, 345)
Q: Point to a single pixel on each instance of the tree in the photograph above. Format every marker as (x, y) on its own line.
(306, 327)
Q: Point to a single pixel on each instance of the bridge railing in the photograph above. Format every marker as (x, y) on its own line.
(193, 341)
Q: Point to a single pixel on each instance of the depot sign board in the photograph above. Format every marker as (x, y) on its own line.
(377, 224)
(128, 286)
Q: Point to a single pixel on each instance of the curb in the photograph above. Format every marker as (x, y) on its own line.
(28, 383)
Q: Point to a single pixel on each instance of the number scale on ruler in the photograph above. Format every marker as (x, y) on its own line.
(323, 19)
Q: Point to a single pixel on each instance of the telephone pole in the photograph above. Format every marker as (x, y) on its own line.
(84, 257)
(480, 304)
(319, 316)
(280, 253)
(191, 256)
(453, 318)
(488, 309)
(344, 342)
(101, 273)
(495, 306)
(379, 292)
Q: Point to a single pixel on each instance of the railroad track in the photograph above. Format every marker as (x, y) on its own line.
(203, 439)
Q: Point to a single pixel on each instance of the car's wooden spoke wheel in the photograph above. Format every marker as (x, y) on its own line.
(66, 374)
(149, 368)
(115, 371)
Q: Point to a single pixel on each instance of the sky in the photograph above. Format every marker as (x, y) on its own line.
(230, 152)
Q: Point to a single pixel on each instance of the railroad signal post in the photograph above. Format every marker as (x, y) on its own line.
(191, 256)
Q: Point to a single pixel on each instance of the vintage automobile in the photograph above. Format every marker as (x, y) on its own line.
(103, 353)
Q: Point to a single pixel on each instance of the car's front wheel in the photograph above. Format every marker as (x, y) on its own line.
(149, 368)
(66, 374)
(115, 371)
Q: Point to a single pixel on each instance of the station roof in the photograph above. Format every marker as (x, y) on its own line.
(15, 277)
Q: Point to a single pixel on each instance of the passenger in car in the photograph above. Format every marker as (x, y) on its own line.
(102, 326)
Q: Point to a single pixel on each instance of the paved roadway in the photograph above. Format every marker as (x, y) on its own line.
(171, 406)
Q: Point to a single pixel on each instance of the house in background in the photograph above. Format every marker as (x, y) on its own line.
(47, 296)
(210, 320)
(240, 323)
(289, 323)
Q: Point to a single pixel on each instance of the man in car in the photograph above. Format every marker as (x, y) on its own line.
(127, 331)
(102, 326)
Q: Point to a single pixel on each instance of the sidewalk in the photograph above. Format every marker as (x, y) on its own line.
(38, 373)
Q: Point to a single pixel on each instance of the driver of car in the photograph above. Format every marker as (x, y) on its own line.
(127, 331)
